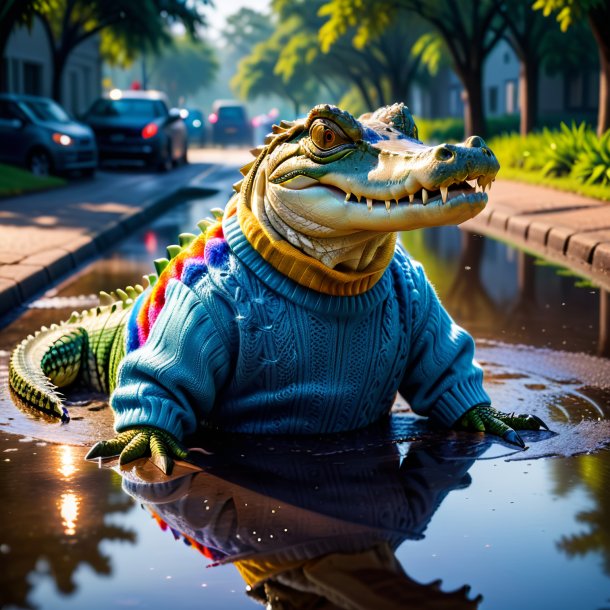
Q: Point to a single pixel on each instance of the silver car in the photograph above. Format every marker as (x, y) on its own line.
(37, 133)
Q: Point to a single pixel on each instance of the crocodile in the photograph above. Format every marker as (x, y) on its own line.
(294, 311)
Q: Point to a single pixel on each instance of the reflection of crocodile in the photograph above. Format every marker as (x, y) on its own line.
(305, 526)
(293, 312)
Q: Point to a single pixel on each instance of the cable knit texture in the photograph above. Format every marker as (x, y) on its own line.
(239, 346)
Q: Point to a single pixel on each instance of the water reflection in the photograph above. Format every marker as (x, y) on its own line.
(55, 511)
(591, 472)
(498, 292)
(313, 525)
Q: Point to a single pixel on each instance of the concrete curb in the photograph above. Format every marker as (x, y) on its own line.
(36, 273)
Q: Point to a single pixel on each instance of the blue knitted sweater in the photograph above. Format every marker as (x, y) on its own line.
(240, 347)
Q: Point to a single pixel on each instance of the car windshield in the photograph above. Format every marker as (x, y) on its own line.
(141, 109)
(47, 110)
(231, 113)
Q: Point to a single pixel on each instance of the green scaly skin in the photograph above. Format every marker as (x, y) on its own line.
(335, 187)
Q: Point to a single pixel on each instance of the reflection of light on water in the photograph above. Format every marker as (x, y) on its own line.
(68, 502)
(68, 509)
(66, 465)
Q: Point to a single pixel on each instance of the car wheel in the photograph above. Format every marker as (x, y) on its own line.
(39, 163)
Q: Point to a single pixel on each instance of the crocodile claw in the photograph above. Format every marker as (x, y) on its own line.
(539, 422)
(512, 437)
(137, 442)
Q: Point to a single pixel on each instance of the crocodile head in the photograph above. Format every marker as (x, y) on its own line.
(332, 184)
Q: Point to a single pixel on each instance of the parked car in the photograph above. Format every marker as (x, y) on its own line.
(229, 124)
(138, 127)
(195, 125)
(37, 133)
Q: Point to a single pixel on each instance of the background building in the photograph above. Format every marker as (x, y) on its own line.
(27, 68)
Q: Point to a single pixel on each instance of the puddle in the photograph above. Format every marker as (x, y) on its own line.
(440, 519)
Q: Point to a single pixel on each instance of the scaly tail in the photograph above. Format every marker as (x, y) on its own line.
(89, 346)
(43, 362)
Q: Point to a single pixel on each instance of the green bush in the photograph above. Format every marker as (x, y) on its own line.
(593, 163)
(432, 131)
(561, 149)
(574, 152)
(514, 151)
(451, 129)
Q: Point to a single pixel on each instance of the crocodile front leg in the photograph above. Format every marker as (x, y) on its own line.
(136, 442)
(484, 418)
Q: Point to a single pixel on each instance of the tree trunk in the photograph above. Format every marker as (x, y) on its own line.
(59, 64)
(528, 93)
(474, 117)
(599, 20)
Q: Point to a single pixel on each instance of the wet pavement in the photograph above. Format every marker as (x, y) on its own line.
(375, 518)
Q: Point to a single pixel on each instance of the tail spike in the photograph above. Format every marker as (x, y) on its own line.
(152, 278)
(173, 251)
(204, 224)
(132, 292)
(218, 213)
(160, 264)
(184, 239)
(122, 295)
(237, 186)
(105, 298)
(139, 288)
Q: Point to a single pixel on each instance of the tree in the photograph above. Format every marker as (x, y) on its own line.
(257, 76)
(12, 13)
(469, 28)
(527, 32)
(184, 68)
(245, 29)
(126, 28)
(382, 70)
(597, 13)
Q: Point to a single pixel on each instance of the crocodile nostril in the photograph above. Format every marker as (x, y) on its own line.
(442, 153)
(475, 142)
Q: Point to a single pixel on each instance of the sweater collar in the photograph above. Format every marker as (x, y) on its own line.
(306, 297)
(301, 268)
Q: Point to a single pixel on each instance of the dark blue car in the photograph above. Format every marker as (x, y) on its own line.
(37, 133)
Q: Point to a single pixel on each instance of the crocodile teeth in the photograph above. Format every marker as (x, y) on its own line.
(411, 198)
(444, 191)
(347, 196)
(387, 205)
(369, 204)
(424, 196)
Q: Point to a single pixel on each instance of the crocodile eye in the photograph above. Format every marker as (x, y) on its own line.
(326, 135)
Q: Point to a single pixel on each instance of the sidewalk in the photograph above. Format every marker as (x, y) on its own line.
(565, 228)
(44, 236)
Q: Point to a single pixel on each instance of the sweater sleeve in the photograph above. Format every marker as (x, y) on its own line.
(442, 379)
(171, 381)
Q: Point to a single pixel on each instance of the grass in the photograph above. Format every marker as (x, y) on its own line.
(16, 181)
(561, 183)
